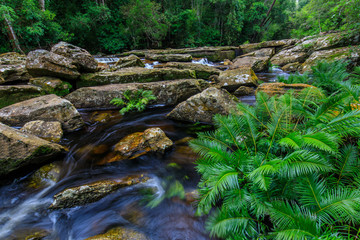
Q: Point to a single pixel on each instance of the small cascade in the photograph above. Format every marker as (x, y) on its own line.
(204, 61)
(107, 60)
(151, 65)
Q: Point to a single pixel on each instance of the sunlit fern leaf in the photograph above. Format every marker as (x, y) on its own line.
(310, 189)
(294, 141)
(321, 141)
(344, 125)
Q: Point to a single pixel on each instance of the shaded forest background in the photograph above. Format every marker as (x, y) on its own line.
(111, 26)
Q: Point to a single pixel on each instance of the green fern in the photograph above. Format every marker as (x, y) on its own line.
(133, 100)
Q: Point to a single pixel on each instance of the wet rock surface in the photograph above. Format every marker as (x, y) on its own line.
(120, 233)
(203, 106)
(139, 143)
(17, 93)
(84, 61)
(92, 192)
(46, 108)
(132, 75)
(167, 92)
(43, 176)
(50, 131)
(20, 151)
(45, 63)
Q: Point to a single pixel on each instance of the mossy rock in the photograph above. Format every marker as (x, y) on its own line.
(52, 85)
(18, 93)
(49, 172)
(120, 233)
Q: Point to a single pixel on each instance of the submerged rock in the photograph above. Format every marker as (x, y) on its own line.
(80, 57)
(92, 192)
(203, 106)
(129, 61)
(233, 79)
(167, 92)
(46, 108)
(120, 233)
(50, 131)
(52, 85)
(46, 174)
(257, 60)
(132, 75)
(45, 63)
(140, 143)
(21, 151)
(169, 57)
(280, 88)
(202, 71)
(17, 93)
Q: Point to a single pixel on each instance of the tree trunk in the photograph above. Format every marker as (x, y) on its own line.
(42, 4)
(12, 36)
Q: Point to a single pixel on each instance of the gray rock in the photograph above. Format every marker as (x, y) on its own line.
(133, 74)
(46, 108)
(20, 150)
(50, 131)
(291, 67)
(167, 92)
(233, 79)
(45, 63)
(12, 68)
(81, 58)
(257, 60)
(203, 106)
(244, 91)
(129, 61)
(17, 93)
(202, 71)
(92, 192)
(169, 57)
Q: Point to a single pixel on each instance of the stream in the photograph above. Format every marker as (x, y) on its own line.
(25, 209)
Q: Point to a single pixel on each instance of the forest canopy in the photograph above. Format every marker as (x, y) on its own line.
(112, 26)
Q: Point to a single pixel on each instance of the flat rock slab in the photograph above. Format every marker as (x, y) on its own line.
(280, 88)
(50, 131)
(17, 93)
(44, 63)
(169, 57)
(202, 71)
(20, 150)
(46, 108)
(233, 79)
(92, 192)
(133, 75)
(167, 92)
(203, 106)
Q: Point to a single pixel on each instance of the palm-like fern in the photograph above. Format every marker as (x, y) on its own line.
(284, 169)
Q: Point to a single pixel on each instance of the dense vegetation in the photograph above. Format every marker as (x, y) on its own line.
(115, 25)
(286, 168)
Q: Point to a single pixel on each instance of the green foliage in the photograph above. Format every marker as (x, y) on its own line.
(283, 169)
(134, 100)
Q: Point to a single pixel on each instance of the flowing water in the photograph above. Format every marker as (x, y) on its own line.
(25, 210)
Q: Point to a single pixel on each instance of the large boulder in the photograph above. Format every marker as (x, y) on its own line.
(120, 233)
(257, 60)
(17, 93)
(50, 131)
(12, 68)
(203, 106)
(21, 151)
(46, 108)
(169, 57)
(291, 67)
(351, 54)
(279, 88)
(129, 61)
(137, 144)
(81, 58)
(134, 74)
(167, 92)
(202, 71)
(52, 85)
(295, 54)
(233, 79)
(44, 63)
(92, 192)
